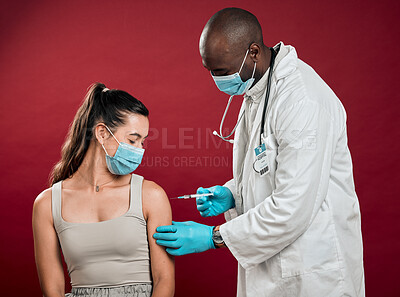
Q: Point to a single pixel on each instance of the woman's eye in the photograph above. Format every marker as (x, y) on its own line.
(132, 142)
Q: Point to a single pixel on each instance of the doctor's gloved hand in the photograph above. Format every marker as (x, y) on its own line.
(210, 206)
(182, 238)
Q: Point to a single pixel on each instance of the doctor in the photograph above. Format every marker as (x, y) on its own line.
(293, 218)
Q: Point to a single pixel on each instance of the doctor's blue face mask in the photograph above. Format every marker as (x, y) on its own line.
(126, 159)
(232, 84)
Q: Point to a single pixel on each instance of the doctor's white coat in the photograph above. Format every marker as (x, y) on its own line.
(295, 231)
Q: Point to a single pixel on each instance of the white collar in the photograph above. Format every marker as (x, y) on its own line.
(285, 63)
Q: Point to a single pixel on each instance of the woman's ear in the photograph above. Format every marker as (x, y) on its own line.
(101, 133)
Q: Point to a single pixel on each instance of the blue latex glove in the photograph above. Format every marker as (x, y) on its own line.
(214, 205)
(182, 238)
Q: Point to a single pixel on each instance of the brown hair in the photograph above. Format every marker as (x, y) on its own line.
(99, 105)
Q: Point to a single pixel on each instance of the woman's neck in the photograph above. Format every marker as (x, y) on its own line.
(93, 169)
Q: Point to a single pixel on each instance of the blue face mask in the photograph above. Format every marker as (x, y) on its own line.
(126, 159)
(232, 84)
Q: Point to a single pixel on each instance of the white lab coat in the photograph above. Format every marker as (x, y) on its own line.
(295, 231)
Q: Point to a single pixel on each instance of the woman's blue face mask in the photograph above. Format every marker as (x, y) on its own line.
(126, 159)
(232, 84)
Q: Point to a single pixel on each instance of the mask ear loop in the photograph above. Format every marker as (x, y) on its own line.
(254, 69)
(252, 76)
(112, 136)
(255, 65)
(240, 69)
(105, 150)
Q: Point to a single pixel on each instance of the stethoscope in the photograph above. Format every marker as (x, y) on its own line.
(271, 67)
(225, 138)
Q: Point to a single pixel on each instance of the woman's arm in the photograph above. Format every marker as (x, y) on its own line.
(157, 211)
(47, 250)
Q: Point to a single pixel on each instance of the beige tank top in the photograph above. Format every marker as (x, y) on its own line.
(109, 253)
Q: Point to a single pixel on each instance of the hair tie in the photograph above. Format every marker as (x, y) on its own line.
(105, 89)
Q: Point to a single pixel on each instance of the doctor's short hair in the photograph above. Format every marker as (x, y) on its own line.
(100, 105)
(240, 27)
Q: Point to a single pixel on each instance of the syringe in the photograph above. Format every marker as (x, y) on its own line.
(193, 196)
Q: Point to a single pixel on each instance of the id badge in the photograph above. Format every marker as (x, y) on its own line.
(261, 165)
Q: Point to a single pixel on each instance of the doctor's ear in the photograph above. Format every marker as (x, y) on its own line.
(101, 133)
(255, 52)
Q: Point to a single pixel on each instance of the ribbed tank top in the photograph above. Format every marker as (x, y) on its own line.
(108, 253)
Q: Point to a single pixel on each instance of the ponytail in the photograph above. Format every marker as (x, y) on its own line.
(100, 105)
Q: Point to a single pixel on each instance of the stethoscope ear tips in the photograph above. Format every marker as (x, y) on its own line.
(223, 138)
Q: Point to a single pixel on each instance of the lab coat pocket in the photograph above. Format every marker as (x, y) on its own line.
(316, 250)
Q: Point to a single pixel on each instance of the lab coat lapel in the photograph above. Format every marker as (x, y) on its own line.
(288, 56)
(255, 129)
(239, 151)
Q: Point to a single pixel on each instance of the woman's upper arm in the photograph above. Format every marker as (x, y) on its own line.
(47, 249)
(157, 212)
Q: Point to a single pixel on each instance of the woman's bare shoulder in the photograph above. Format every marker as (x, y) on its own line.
(155, 200)
(153, 191)
(42, 204)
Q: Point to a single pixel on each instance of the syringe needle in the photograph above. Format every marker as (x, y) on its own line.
(193, 196)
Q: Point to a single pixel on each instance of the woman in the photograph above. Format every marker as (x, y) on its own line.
(102, 216)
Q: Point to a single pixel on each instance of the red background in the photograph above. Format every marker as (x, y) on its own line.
(51, 51)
